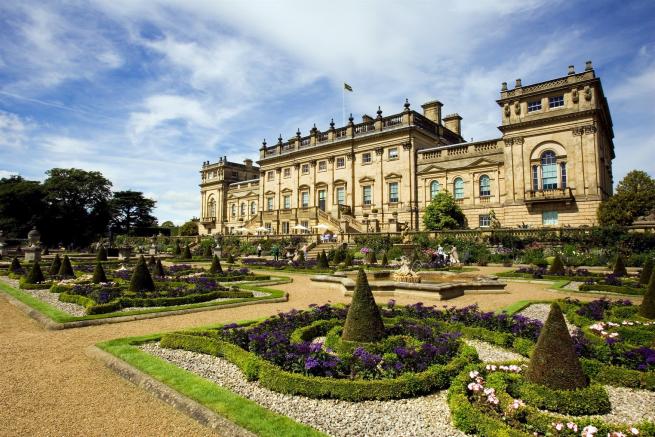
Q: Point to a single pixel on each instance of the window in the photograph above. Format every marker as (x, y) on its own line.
(366, 158)
(234, 210)
(287, 201)
(322, 165)
(304, 199)
(562, 171)
(285, 227)
(341, 195)
(304, 169)
(393, 192)
(253, 208)
(367, 195)
(458, 185)
(243, 209)
(434, 189)
(534, 106)
(341, 162)
(287, 172)
(269, 204)
(393, 153)
(211, 208)
(268, 226)
(548, 170)
(549, 218)
(270, 176)
(305, 223)
(485, 220)
(485, 186)
(555, 101)
(535, 178)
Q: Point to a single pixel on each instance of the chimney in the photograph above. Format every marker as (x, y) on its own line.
(453, 122)
(432, 111)
(248, 163)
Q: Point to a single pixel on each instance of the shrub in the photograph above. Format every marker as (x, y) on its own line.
(301, 257)
(55, 266)
(152, 263)
(141, 280)
(647, 307)
(159, 269)
(372, 259)
(216, 266)
(230, 258)
(385, 261)
(66, 269)
(323, 262)
(207, 252)
(348, 260)
(443, 213)
(35, 275)
(99, 274)
(102, 254)
(557, 268)
(15, 267)
(646, 272)
(619, 267)
(187, 253)
(554, 362)
(363, 322)
(584, 401)
(177, 251)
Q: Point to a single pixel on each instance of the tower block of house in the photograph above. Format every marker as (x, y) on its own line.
(552, 166)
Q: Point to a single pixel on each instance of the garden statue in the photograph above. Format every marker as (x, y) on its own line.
(454, 256)
(33, 251)
(153, 245)
(405, 272)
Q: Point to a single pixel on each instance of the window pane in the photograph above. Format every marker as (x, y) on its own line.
(459, 188)
(434, 189)
(367, 195)
(341, 195)
(393, 192)
(485, 221)
(562, 167)
(535, 177)
(548, 170)
(393, 153)
(556, 101)
(485, 186)
(534, 106)
(305, 199)
(549, 218)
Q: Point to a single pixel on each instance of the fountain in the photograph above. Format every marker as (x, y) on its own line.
(405, 272)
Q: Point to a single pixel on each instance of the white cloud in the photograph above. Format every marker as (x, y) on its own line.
(7, 174)
(13, 131)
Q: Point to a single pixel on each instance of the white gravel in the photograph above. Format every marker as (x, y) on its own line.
(490, 353)
(539, 311)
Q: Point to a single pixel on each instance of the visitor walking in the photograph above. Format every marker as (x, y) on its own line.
(275, 251)
(259, 250)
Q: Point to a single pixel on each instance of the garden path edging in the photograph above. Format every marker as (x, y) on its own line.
(161, 391)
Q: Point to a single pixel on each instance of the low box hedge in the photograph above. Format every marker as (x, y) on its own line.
(24, 285)
(623, 289)
(315, 329)
(274, 378)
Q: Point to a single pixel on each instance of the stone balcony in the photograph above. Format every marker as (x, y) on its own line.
(553, 195)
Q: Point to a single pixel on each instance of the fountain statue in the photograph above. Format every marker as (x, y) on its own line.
(405, 272)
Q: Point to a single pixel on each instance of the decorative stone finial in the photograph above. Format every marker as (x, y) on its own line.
(332, 124)
(298, 133)
(571, 69)
(351, 119)
(518, 83)
(406, 105)
(314, 129)
(379, 112)
(264, 144)
(503, 86)
(588, 66)
(279, 139)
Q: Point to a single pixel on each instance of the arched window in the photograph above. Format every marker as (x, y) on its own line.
(548, 170)
(243, 208)
(234, 210)
(253, 208)
(458, 185)
(434, 189)
(211, 208)
(485, 186)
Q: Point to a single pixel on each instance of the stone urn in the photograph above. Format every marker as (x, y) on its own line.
(33, 251)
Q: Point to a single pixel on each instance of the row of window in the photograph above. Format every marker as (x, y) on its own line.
(242, 209)
(458, 187)
(553, 102)
(548, 218)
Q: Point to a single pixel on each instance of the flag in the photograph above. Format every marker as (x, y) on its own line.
(347, 87)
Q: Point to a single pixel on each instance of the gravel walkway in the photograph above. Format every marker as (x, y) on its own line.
(490, 353)
(540, 311)
(573, 285)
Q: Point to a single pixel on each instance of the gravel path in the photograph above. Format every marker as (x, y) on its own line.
(490, 353)
(540, 311)
(573, 285)
(50, 387)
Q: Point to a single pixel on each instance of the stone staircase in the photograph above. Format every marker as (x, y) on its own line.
(314, 251)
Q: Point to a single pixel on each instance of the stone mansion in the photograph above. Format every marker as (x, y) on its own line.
(551, 166)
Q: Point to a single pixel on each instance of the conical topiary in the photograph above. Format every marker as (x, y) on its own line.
(364, 321)
(187, 253)
(230, 258)
(647, 307)
(141, 280)
(66, 269)
(216, 268)
(372, 259)
(102, 254)
(557, 267)
(177, 250)
(99, 274)
(35, 275)
(15, 267)
(323, 262)
(619, 267)
(554, 363)
(159, 269)
(207, 252)
(646, 271)
(152, 263)
(348, 261)
(385, 260)
(301, 257)
(55, 266)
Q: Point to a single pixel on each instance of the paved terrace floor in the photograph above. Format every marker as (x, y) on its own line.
(50, 387)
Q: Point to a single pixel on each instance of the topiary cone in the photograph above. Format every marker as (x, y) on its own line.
(230, 258)
(15, 266)
(647, 307)
(348, 261)
(99, 274)
(646, 272)
(55, 266)
(385, 260)
(159, 269)
(216, 267)
(141, 280)
(554, 363)
(557, 268)
(619, 267)
(66, 269)
(301, 257)
(177, 250)
(102, 254)
(187, 253)
(152, 263)
(372, 259)
(363, 322)
(35, 275)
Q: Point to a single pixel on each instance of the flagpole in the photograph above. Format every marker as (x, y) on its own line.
(343, 105)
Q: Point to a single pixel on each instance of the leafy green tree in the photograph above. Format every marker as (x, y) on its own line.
(443, 213)
(22, 206)
(189, 229)
(634, 197)
(130, 209)
(363, 321)
(168, 224)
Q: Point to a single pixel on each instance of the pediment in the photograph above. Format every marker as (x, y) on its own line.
(269, 192)
(432, 169)
(393, 176)
(483, 161)
(286, 190)
(366, 179)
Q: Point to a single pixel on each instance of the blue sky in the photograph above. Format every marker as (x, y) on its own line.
(145, 91)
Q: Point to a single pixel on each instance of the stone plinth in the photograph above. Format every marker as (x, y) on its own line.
(412, 279)
(124, 253)
(32, 253)
(152, 250)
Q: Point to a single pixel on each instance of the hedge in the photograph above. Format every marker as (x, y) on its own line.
(623, 289)
(272, 377)
(24, 285)
(313, 330)
(77, 299)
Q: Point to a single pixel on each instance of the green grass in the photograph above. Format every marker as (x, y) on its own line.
(235, 408)
(62, 317)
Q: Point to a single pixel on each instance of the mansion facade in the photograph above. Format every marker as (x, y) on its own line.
(551, 166)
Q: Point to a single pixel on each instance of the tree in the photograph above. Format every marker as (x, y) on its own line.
(443, 213)
(141, 281)
(634, 197)
(168, 224)
(35, 275)
(363, 321)
(557, 268)
(129, 210)
(102, 254)
(619, 267)
(159, 270)
(55, 266)
(216, 268)
(22, 206)
(647, 307)
(189, 229)
(15, 267)
(78, 204)
(66, 269)
(99, 274)
(187, 253)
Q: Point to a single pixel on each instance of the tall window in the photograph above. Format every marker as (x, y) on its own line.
(458, 185)
(287, 201)
(555, 101)
(548, 170)
(211, 208)
(367, 195)
(393, 192)
(269, 204)
(485, 186)
(341, 195)
(243, 208)
(253, 208)
(341, 162)
(285, 227)
(304, 199)
(562, 171)
(549, 218)
(434, 189)
(234, 210)
(535, 178)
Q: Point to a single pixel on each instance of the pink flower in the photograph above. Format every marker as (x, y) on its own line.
(572, 426)
(589, 431)
(558, 426)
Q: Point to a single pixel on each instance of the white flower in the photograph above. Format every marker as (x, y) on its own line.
(558, 426)
(634, 431)
(589, 431)
(473, 374)
(572, 426)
